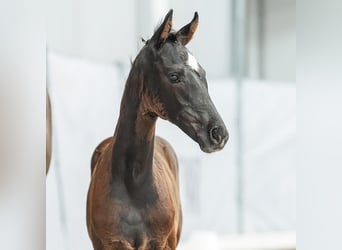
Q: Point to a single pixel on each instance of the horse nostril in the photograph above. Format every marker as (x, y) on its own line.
(216, 135)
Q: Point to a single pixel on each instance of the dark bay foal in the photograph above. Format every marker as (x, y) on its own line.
(133, 199)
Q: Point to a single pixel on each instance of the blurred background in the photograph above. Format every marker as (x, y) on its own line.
(243, 197)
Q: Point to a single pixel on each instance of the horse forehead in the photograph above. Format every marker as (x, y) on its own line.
(173, 53)
(192, 62)
(177, 55)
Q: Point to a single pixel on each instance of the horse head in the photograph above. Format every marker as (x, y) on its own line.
(176, 85)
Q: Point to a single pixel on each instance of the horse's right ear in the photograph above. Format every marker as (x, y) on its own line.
(163, 30)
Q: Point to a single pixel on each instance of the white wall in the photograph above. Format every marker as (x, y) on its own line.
(101, 30)
(272, 40)
(280, 40)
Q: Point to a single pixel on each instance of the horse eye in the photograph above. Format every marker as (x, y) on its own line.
(173, 77)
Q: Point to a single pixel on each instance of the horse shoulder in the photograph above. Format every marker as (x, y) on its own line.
(164, 150)
(99, 151)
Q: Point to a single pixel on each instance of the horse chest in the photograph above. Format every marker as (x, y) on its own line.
(155, 217)
(142, 227)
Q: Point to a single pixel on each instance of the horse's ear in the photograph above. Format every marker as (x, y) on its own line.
(163, 30)
(185, 34)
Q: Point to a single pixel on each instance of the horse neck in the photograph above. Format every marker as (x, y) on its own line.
(132, 154)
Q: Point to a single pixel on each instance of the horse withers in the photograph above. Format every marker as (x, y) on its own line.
(133, 199)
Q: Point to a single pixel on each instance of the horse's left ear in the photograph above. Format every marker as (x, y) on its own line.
(163, 30)
(185, 34)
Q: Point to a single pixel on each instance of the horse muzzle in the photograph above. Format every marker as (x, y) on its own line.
(211, 136)
(214, 140)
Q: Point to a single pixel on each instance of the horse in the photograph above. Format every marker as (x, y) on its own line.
(133, 199)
